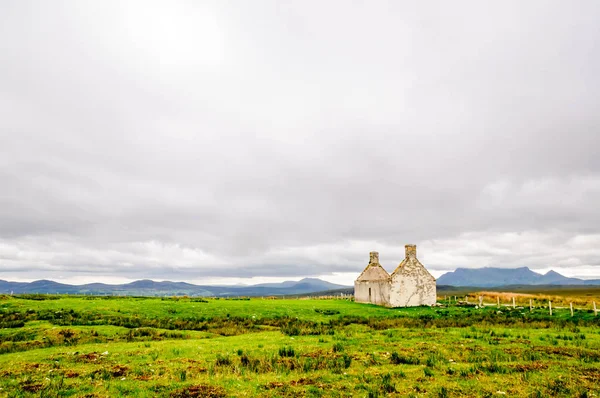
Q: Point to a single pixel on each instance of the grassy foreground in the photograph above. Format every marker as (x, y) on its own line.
(185, 347)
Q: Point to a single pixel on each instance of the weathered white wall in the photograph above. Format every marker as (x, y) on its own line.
(412, 285)
(380, 292)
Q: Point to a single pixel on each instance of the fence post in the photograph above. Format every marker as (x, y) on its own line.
(513, 301)
(480, 301)
(467, 299)
(530, 306)
(498, 300)
(571, 305)
(550, 307)
(595, 311)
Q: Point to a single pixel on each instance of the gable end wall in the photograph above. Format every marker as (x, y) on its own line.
(412, 285)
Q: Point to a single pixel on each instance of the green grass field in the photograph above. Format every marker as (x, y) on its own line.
(183, 347)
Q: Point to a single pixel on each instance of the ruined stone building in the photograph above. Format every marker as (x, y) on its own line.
(409, 285)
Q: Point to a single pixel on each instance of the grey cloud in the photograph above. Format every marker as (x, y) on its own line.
(289, 139)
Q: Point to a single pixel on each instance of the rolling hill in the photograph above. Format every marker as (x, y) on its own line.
(148, 287)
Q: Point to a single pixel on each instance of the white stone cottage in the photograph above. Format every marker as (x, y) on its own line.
(409, 285)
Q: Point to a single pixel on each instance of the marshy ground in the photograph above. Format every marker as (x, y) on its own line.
(190, 347)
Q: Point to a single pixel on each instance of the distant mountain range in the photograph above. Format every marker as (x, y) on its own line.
(492, 277)
(479, 277)
(151, 288)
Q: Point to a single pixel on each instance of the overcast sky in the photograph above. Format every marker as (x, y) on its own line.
(246, 141)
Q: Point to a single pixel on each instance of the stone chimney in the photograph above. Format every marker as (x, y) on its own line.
(374, 258)
(411, 251)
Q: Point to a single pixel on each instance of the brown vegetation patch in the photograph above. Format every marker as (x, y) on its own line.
(199, 390)
(30, 367)
(309, 382)
(274, 384)
(504, 296)
(513, 351)
(194, 365)
(302, 382)
(534, 366)
(591, 374)
(71, 374)
(29, 386)
(562, 351)
(90, 357)
(190, 360)
(538, 298)
(119, 370)
(197, 369)
(316, 354)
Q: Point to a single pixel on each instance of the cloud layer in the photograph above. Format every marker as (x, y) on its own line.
(228, 139)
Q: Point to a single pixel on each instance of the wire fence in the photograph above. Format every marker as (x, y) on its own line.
(533, 303)
(514, 301)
